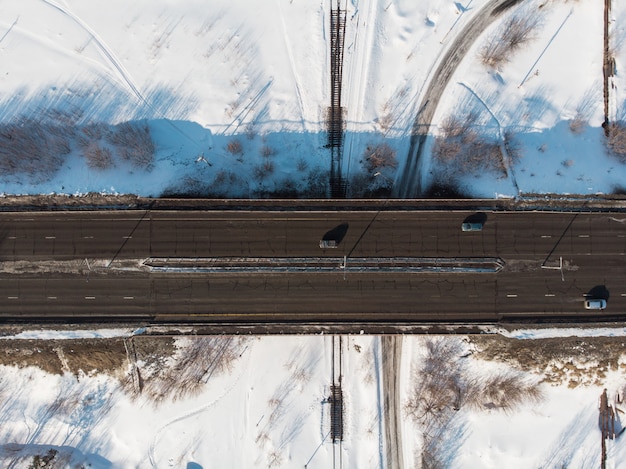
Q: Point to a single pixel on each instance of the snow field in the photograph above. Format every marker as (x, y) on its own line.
(268, 409)
(203, 77)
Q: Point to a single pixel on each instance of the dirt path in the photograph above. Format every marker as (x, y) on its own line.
(410, 181)
(392, 406)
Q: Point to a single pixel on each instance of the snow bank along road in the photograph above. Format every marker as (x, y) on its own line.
(88, 264)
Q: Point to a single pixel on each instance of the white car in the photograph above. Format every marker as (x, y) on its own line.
(595, 303)
(475, 226)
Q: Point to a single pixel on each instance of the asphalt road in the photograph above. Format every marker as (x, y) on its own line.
(111, 284)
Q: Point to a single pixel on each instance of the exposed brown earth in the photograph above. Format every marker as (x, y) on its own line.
(83, 355)
(572, 360)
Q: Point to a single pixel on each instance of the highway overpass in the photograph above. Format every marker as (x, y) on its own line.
(262, 265)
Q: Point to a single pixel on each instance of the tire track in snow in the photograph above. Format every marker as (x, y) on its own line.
(117, 66)
(359, 67)
(104, 49)
(292, 65)
(204, 408)
(10, 29)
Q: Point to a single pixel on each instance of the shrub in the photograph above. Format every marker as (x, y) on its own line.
(32, 148)
(260, 172)
(98, 157)
(616, 139)
(461, 149)
(267, 151)
(509, 38)
(379, 156)
(317, 183)
(302, 165)
(234, 147)
(578, 123)
(250, 131)
(133, 143)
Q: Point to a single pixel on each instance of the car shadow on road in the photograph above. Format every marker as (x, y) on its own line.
(478, 217)
(599, 292)
(336, 234)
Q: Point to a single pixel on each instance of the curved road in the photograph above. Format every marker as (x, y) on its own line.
(409, 185)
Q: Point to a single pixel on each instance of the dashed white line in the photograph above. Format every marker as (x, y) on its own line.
(12, 297)
(87, 237)
(52, 297)
(549, 294)
(51, 237)
(129, 297)
(622, 294)
(546, 236)
(583, 236)
(12, 237)
(90, 297)
(127, 237)
(511, 296)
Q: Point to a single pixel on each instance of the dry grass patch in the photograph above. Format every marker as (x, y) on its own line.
(572, 360)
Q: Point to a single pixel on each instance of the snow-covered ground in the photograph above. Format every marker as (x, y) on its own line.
(267, 404)
(234, 96)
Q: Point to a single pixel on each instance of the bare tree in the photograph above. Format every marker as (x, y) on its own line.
(133, 143)
(379, 156)
(516, 31)
(196, 361)
(98, 157)
(616, 139)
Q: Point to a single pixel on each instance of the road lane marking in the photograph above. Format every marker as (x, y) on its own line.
(623, 294)
(511, 296)
(583, 236)
(549, 294)
(51, 237)
(90, 297)
(129, 297)
(87, 237)
(12, 297)
(52, 297)
(12, 237)
(127, 237)
(546, 236)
